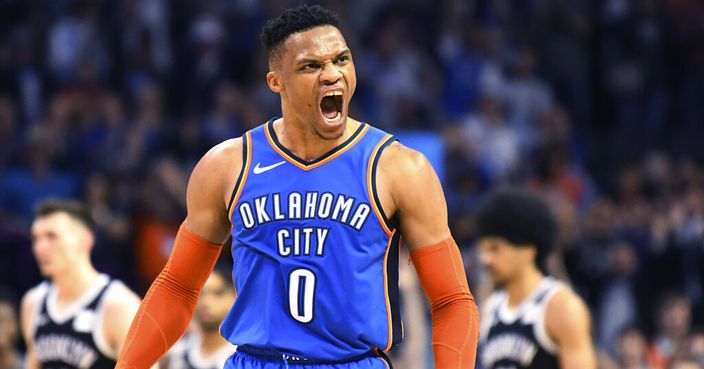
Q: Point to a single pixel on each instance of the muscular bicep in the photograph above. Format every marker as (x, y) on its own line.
(570, 326)
(209, 187)
(416, 196)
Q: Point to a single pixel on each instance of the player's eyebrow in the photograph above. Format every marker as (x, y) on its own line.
(317, 60)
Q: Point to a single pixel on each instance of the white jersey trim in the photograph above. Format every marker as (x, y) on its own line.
(488, 312)
(62, 316)
(540, 330)
(497, 307)
(39, 293)
(112, 292)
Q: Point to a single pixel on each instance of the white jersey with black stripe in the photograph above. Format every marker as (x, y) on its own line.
(516, 338)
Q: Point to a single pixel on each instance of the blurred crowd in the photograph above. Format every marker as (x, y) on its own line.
(597, 105)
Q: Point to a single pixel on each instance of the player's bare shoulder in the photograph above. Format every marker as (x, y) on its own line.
(402, 161)
(31, 297)
(119, 296)
(568, 314)
(217, 170)
(410, 191)
(223, 156)
(407, 175)
(29, 306)
(395, 162)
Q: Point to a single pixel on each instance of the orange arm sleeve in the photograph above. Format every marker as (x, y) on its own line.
(168, 307)
(454, 312)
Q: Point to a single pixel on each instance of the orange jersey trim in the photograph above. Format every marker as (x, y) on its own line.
(246, 163)
(386, 293)
(370, 185)
(338, 152)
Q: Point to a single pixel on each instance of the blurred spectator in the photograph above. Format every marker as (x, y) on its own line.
(8, 132)
(228, 118)
(203, 347)
(113, 229)
(412, 352)
(673, 325)
(618, 307)
(10, 357)
(632, 350)
(585, 258)
(564, 31)
(526, 95)
(75, 49)
(695, 347)
(163, 207)
(556, 172)
(633, 52)
(470, 70)
(685, 364)
(687, 32)
(21, 187)
(402, 75)
(490, 142)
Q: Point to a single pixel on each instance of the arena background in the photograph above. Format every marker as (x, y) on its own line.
(596, 104)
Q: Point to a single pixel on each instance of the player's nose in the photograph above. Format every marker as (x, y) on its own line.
(330, 73)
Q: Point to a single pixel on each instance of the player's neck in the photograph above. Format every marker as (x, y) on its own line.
(301, 139)
(74, 282)
(523, 286)
(212, 342)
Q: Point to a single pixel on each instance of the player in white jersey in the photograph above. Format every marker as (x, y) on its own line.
(204, 347)
(78, 318)
(532, 320)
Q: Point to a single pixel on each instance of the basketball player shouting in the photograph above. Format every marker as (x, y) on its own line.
(531, 321)
(316, 203)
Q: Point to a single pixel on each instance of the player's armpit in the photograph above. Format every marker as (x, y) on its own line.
(567, 322)
(454, 313)
(168, 307)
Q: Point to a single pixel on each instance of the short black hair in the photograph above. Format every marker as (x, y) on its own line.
(520, 217)
(293, 20)
(75, 209)
(225, 272)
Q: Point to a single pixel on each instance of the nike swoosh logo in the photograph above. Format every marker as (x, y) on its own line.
(260, 170)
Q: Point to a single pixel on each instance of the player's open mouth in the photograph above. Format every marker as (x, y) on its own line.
(331, 106)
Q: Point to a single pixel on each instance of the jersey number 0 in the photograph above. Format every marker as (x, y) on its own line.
(301, 293)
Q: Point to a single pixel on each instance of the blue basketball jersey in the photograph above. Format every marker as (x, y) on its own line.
(316, 259)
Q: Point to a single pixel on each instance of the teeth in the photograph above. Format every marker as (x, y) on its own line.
(333, 93)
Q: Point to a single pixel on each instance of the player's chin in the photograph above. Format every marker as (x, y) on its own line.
(498, 280)
(210, 326)
(46, 270)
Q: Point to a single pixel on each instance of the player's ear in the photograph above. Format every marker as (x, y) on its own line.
(88, 240)
(273, 79)
(531, 253)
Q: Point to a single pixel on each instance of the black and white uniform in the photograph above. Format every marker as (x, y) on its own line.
(517, 338)
(72, 337)
(186, 354)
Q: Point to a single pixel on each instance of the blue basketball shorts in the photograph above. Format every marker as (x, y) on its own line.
(241, 360)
